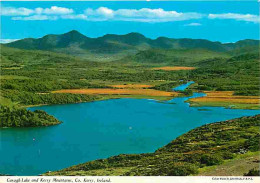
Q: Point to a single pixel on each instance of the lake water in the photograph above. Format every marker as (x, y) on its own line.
(101, 129)
(183, 86)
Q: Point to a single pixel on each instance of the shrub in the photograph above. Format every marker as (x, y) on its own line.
(210, 159)
(182, 169)
(253, 172)
(227, 155)
(252, 144)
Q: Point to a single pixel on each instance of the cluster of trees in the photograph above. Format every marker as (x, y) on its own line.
(43, 85)
(19, 117)
(207, 145)
(29, 98)
(187, 92)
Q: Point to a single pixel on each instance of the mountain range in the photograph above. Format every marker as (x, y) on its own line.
(75, 43)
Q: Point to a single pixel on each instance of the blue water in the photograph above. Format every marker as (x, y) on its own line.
(183, 86)
(101, 129)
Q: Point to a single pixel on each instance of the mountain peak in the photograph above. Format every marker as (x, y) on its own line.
(135, 34)
(72, 37)
(73, 32)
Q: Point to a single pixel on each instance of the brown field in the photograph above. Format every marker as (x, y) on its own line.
(106, 91)
(168, 68)
(131, 86)
(227, 97)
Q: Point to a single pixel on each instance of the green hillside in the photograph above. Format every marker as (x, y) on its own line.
(118, 46)
(238, 73)
(210, 145)
(175, 56)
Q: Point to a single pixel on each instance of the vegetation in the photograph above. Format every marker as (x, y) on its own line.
(15, 117)
(168, 86)
(183, 57)
(239, 165)
(225, 99)
(253, 172)
(29, 98)
(239, 74)
(206, 146)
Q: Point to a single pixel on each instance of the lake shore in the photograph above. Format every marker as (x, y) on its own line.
(225, 99)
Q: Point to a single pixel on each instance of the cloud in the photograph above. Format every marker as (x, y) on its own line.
(107, 14)
(53, 10)
(79, 16)
(7, 40)
(36, 17)
(10, 11)
(235, 16)
(138, 15)
(193, 24)
(50, 17)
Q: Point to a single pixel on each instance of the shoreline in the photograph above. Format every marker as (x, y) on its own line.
(227, 105)
(225, 99)
(108, 97)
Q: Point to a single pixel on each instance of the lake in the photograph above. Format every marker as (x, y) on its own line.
(101, 129)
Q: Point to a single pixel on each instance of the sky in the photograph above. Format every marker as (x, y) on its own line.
(224, 21)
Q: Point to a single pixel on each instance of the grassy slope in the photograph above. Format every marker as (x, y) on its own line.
(234, 167)
(182, 57)
(212, 145)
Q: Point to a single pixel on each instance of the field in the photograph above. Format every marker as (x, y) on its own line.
(227, 99)
(173, 68)
(132, 86)
(147, 92)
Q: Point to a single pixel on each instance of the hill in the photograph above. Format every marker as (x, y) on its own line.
(207, 146)
(118, 46)
(175, 56)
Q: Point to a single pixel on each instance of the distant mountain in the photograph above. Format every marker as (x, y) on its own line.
(76, 43)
